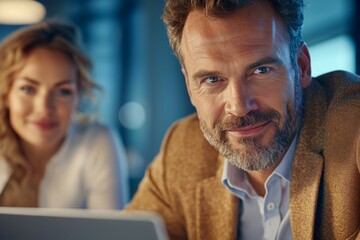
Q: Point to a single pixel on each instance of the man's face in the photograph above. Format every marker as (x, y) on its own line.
(241, 81)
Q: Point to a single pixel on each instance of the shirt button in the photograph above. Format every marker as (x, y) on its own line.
(270, 206)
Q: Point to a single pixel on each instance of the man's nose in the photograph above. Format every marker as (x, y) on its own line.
(239, 100)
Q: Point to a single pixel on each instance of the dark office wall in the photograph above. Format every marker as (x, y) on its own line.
(356, 33)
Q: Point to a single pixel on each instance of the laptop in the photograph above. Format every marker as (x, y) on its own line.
(79, 224)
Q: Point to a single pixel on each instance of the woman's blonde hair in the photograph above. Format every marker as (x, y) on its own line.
(13, 52)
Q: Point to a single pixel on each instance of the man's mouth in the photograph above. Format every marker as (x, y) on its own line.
(249, 131)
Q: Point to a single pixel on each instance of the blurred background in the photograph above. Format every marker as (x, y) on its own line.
(144, 90)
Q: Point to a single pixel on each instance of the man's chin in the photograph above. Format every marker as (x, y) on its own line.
(244, 152)
(247, 158)
(246, 145)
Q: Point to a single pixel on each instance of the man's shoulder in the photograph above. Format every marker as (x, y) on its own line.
(339, 78)
(343, 91)
(332, 111)
(331, 92)
(339, 85)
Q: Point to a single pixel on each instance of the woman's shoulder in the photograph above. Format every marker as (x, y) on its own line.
(94, 132)
(90, 128)
(5, 172)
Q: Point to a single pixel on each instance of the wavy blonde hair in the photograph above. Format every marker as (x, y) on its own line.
(13, 52)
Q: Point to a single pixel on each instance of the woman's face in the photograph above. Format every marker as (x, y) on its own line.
(42, 98)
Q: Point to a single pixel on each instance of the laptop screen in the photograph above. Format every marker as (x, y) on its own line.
(79, 224)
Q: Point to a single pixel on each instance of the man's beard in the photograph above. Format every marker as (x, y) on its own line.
(250, 154)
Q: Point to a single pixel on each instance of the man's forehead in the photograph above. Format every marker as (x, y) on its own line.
(259, 16)
(249, 25)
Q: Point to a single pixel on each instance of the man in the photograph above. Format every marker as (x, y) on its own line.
(271, 152)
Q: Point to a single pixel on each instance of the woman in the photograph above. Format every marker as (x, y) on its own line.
(47, 158)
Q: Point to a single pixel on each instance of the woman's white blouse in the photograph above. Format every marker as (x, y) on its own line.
(88, 171)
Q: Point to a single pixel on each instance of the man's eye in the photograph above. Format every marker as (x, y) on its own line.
(261, 70)
(28, 89)
(212, 79)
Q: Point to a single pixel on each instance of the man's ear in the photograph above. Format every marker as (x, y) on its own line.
(304, 63)
(183, 70)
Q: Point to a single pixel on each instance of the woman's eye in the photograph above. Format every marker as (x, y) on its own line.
(28, 89)
(261, 70)
(64, 92)
(212, 79)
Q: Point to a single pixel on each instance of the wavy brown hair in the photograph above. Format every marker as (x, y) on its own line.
(14, 50)
(176, 12)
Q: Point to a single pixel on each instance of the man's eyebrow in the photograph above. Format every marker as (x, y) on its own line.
(204, 73)
(266, 60)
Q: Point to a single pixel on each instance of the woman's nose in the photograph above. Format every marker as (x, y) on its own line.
(45, 103)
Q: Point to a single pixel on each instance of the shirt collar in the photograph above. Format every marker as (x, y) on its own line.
(284, 168)
(234, 177)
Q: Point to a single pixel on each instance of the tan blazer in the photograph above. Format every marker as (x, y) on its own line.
(184, 184)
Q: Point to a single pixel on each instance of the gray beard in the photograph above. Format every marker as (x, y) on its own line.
(250, 154)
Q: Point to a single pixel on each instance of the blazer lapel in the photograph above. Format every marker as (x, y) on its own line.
(305, 183)
(216, 209)
(308, 164)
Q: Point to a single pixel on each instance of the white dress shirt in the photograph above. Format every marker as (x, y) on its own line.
(265, 217)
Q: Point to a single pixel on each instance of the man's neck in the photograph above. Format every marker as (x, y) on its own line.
(258, 178)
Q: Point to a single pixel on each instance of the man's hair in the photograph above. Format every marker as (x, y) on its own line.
(177, 11)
